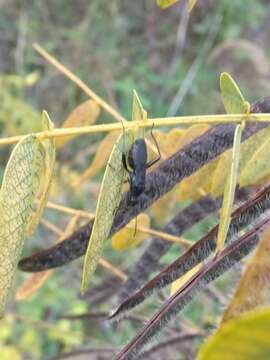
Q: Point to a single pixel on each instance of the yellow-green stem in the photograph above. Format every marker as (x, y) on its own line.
(157, 122)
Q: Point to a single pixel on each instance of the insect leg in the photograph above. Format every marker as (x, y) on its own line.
(125, 164)
(135, 227)
(158, 157)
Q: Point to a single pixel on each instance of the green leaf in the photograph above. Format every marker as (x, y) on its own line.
(165, 3)
(16, 201)
(44, 175)
(232, 97)
(257, 166)
(251, 149)
(225, 215)
(246, 338)
(108, 202)
(138, 114)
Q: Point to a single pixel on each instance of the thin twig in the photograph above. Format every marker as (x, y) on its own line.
(69, 210)
(161, 234)
(156, 122)
(64, 70)
(104, 263)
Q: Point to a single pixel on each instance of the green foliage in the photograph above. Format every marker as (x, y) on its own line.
(16, 116)
(115, 47)
(108, 201)
(16, 200)
(246, 338)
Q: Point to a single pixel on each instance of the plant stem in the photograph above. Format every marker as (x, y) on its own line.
(155, 122)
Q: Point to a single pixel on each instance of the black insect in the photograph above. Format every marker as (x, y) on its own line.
(136, 165)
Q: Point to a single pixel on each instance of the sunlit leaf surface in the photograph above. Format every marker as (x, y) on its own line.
(16, 201)
(108, 201)
(245, 338)
(177, 284)
(254, 287)
(84, 114)
(229, 192)
(232, 97)
(44, 177)
(101, 157)
(166, 3)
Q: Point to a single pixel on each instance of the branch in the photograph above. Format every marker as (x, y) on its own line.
(158, 182)
(250, 213)
(183, 221)
(149, 261)
(232, 254)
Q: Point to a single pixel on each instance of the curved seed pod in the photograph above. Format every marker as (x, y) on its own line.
(107, 205)
(158, 182)
(16, 200)
(35, 281)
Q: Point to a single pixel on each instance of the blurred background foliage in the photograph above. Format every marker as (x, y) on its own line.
(115, 46)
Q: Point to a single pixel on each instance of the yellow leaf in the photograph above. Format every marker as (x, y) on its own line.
(192, 133)
(177, 284)
(198, 184)
(84, 114)
(138, 112)
(16, 201)
(246, 174)
(169, 142)
(9, 352)
(126, 237)
(191, 4)
(176, 139)
(229, 192)
(162, 208)
(30, 286)
(165, 3)
(108, 202)
(101, 157)
(44, 176)
(253, 288)
(193, 187)
(257, 166)
(232, 97)
(245, 338)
